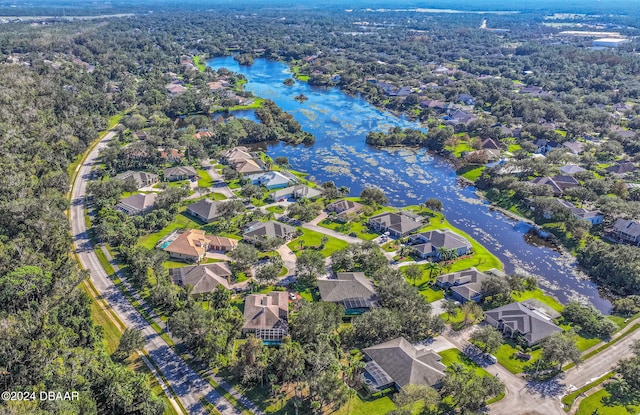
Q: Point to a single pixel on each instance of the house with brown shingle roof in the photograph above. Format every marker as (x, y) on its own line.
(267, 316)
(179, 173)
(190, 245)
(203, 278)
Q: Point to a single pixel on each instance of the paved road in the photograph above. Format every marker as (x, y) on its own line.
(188, 386)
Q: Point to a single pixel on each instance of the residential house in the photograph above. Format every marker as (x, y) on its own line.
(571, 169)
(298, 191)
(593, 216)
(173, 174)
(465, 285)
(235, 155)
(489, 144)
(616, 129)
(206, 210)
(344, 208)
(175, 89)
(267, 316)
(434, 104)
(273, 179)
(397, 224)
(172, 155)
(575, 147)
(191, 245)
(397, 363)
(353, 290)
(430, 244)
(204, 278)
(137, 204)
(141, 135)
(543, 146)
(621, 168)
(558, 183)
(221, 243)
(203, 134)
(518, 319)
(140, 178)
(456, 117)
(466, 99)
(626, 231)
(272, 229)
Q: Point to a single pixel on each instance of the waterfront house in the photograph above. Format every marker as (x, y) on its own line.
(296, 192)
(353, 290)
(344, 208)
(465, 285)
(397, 363)
(626, 231)
(518, 319)
(266, 316)
(593, 216)
(397, 224)
(430, 244)
(273, 179)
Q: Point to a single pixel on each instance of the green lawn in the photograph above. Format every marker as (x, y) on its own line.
(513, 148)
(506, 357)
(569, 399)
(199, 63)
(451, 356)
(430, 292)
(472, 174)
(359, 228)
(359, 407)
(218, 196)
(204, 179)
(276, 209)
(461, 147)
(110, 331)
(180, 222)
(539, 295)
(599, 401)
(314, 239)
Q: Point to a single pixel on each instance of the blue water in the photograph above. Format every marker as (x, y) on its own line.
(165, 244)
(408, 176)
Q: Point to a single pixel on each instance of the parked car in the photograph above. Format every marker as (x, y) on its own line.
(292, 296)
(491, 358)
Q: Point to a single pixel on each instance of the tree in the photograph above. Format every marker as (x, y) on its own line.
(288, 360)
(413, 272)
(220, 298)
(487, 339)
(130, 341)
(251, 191)
(309, 265)
(434, 268)
(314, 319)
(244, 255)
(230, 209)
(468, 390)
(411, 395)
(433, 204)
(373, 196)
(470, 310)
(560, 348)
(282, 161)
(252, 361)
(268, 273)
(451, 307)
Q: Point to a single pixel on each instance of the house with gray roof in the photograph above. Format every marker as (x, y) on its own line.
(353, 290)
(397, 224)
(137, 204)
(298, 191)
(203, 279)
(465, 285)
(571, 169)
(265, 230)
(397, 363)
(575, 147)
(273, 179)
(429, 244)
(343, 208)
(517, 319)
(140, 178)
(593, 216)
(173, 174)
(626, 231)
(266, 316)
(621, 168)
(206, 209)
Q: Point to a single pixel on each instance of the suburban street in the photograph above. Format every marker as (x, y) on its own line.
(187, 385)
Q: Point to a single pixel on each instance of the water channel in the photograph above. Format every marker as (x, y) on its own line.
(408, 176)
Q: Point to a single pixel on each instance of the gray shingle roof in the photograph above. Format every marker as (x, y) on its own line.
(351, 289)
(396, 222)
(138, 203)
(269, 229)
(180, 171)
(205, 208)
(405, 364)
(445, 238)
(532, 325)
(265, 311)
(203, 278)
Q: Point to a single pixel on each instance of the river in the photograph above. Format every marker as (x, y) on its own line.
(340, 124)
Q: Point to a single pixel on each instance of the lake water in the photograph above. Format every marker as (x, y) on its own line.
(340, 124)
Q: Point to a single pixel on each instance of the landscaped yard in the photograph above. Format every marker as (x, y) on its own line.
(506, 357)
(204, 179)
(182, 221)
(451, 356)
(314, 239)
(539, 295)
(359, 228)
(276, 209)
(472, 173)
(597, 402)
(357, 406)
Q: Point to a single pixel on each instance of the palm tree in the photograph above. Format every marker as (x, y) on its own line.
(433, 267)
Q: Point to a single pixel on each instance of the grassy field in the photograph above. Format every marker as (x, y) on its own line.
(180, 222)
(357, 406)
(346, 228)
(451, 356)
(506, 357)
(204, 179)
(569, 399)
(199, 63)
(461, 147)
(472, 174)
(539, 295)
(110, 330)
(314, 239)
(276, 209)
(601, 401)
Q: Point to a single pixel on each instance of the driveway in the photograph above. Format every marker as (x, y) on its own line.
(217, 255)
(288, 257)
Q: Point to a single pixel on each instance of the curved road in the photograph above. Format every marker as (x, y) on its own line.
(187, 385)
